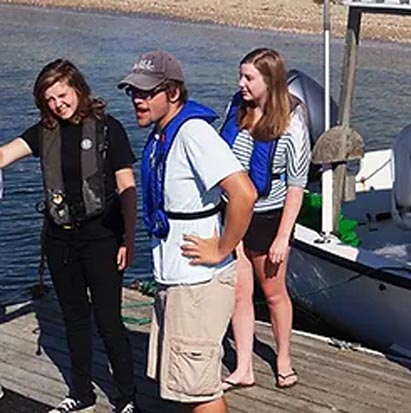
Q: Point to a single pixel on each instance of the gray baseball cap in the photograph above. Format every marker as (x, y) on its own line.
(152, 69)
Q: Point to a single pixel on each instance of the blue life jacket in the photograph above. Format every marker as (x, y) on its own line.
(153, 171)
(261, 161)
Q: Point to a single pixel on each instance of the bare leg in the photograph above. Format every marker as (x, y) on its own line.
(243, 322)
(214, 406)
(272, 280)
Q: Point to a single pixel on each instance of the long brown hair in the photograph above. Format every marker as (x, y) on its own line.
(61, 70)
(276, 113)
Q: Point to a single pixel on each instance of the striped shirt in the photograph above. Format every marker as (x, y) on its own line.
(292, 158)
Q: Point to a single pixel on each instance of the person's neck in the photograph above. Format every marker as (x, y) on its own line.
(256, 114)
(171, 114)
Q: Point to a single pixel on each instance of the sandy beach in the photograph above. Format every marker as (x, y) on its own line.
(303, 16)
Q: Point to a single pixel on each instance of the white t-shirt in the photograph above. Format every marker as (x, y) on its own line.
(198, 160)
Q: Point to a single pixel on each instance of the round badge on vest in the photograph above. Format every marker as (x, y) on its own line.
(86, 144)
(57, 198)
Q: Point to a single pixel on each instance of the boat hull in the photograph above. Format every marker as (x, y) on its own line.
(352, 297)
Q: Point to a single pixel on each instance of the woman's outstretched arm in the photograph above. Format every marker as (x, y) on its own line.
(13, 151)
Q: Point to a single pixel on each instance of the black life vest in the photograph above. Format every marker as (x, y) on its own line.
(93, 151)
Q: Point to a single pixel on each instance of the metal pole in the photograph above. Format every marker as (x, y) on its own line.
(327, 28)
(352, 41)
(327, 174)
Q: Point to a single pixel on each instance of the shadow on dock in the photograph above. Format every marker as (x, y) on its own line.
(14, 402)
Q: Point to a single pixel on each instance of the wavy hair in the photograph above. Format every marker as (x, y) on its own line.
(61, 70)
(276, 113)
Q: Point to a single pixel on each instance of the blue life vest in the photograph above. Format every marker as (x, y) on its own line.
(261, 161)
(153, 170)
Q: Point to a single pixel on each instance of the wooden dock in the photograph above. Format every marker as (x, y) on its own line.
(34, 362)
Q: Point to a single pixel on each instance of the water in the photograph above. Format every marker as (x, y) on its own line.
(105, 46)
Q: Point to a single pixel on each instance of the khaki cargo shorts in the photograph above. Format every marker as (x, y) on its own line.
(189, 324)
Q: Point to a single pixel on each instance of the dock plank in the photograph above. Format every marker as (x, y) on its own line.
(34, 362)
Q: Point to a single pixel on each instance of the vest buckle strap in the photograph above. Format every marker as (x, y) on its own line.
(70, 227)
(195, 215)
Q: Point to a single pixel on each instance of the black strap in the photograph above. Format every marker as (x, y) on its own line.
(194, 215)
(39, 290)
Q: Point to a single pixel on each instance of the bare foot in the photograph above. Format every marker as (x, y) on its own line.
(238, 379)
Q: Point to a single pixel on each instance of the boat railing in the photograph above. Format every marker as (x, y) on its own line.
(381, 6)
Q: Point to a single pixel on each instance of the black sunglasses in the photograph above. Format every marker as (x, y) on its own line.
(135, 93)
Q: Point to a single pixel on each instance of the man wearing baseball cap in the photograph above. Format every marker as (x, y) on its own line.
(185, 167)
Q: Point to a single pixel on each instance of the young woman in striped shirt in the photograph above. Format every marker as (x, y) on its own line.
(267, 116)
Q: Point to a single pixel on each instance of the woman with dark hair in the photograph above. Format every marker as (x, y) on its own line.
(90, 209)
(266, 128)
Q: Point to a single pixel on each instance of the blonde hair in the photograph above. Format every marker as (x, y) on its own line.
(64, 71)
(276, 113)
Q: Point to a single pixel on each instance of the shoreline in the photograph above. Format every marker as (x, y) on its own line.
(294, 16)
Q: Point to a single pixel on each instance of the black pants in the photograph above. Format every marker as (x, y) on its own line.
(80, 270)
